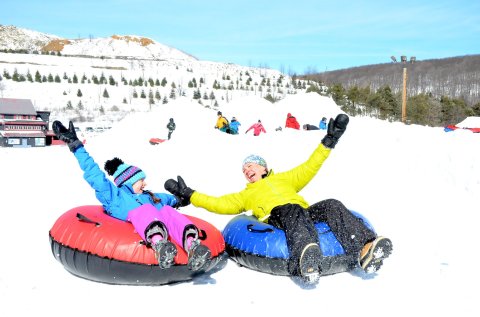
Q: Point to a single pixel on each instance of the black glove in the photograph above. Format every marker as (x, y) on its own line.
(335, 130)
(180, 190)
(68, 136)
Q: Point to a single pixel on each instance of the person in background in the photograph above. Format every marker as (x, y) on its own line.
(323, 124)
(222, 123)
(171, 127)
(274, 199)
(309, 127)
(234, 125)
(257, 128)
(292, 122)
(152, 214)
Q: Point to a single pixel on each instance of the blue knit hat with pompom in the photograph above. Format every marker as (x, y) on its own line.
(123, 173)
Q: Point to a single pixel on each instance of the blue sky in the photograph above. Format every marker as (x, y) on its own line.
(301, 36)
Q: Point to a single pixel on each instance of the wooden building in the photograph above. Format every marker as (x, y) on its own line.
(21, 125)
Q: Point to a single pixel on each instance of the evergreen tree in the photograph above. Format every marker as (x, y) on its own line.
(6, 74)
(15, 76)
(29, 77)
(197, 94)
(105, 93)
(79, 93)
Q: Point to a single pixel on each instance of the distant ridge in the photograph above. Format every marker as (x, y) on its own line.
(116, 46)
(456, 77)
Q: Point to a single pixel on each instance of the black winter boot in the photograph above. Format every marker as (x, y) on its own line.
(310, 263)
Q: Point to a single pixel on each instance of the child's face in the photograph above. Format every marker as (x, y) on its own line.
(139, 186)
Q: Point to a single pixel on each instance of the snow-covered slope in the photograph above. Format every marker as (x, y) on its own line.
(13, 38)
(116, 46)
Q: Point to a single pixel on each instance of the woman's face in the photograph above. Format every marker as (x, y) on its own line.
(139, 185)
(253, 172)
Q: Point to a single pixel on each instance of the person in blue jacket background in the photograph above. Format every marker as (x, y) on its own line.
(152, 214)
(234, 125)
(323, 124)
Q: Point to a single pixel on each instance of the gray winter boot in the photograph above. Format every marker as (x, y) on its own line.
(198, 256)
(165, 251)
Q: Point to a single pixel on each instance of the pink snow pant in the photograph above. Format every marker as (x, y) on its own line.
(175, 222)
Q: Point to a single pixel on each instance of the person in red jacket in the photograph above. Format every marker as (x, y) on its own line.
(292, 122)
(257, 128)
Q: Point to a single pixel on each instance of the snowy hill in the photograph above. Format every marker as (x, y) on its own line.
(13, 38)
(417, 185)
(113, 76)
(116, 46)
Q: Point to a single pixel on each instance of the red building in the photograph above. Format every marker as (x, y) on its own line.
(22, 126)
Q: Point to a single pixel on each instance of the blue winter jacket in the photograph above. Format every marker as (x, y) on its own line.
(117, 201)
(323, 125)
(234, 126)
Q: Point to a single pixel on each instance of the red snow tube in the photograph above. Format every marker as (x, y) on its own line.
(95, 246)
(155, 141)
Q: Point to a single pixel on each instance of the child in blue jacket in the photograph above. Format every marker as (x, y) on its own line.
(152, 214)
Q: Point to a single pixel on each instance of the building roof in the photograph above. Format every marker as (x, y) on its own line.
(17, 107)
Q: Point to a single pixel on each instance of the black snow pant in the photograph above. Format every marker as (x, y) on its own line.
(170, 134)
(299, 227)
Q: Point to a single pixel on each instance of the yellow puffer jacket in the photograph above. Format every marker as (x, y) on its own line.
(221, 122)
(264, 195)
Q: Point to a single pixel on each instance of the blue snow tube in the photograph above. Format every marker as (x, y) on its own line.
(262, 247)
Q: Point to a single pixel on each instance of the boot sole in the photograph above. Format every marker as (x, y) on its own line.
(379, 251)
(199, 259)
(309, 264)
(166, 255)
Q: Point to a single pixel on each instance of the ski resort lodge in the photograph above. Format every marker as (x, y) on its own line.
(22, 126)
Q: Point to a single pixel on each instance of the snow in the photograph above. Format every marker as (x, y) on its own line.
(469, 122)
(417, 185)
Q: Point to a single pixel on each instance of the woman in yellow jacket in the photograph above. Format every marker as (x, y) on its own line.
(274, 199)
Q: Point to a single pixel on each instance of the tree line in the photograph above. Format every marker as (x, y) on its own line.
(439, 92)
